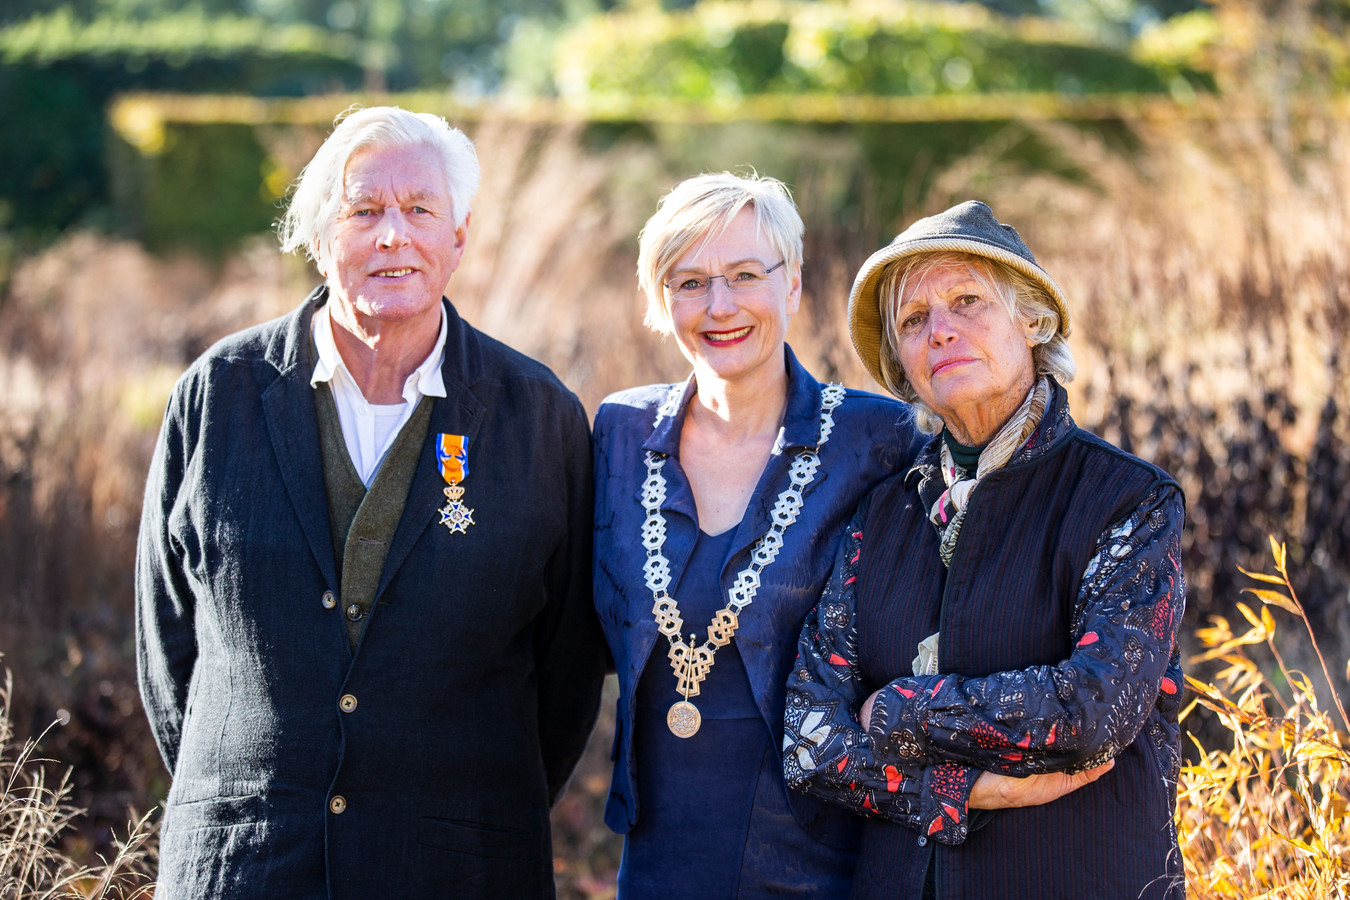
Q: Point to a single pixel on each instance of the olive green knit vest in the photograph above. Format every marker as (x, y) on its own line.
(363, 520)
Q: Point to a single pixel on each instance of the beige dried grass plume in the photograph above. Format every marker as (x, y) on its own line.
(34, 816)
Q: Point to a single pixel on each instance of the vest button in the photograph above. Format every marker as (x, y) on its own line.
(347, 703)
(354, 613)
(338, 805)
(329, 600)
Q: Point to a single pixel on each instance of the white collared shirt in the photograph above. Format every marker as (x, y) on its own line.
(369, 429)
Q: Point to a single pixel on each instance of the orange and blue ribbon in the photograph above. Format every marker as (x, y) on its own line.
(452, 455)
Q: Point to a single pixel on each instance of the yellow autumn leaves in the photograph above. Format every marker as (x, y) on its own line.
(1268, 816)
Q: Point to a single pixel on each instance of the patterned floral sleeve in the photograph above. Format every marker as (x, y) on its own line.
(1083, 711)
(825, 751)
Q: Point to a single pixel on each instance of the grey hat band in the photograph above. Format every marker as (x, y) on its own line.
(975, 247)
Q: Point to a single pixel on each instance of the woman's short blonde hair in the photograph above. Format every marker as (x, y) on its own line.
(1024, 299)
(699, 209)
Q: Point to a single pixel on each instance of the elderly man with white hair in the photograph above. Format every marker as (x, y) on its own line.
(365, 636)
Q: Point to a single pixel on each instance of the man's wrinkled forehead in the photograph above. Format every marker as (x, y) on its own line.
(367, 184)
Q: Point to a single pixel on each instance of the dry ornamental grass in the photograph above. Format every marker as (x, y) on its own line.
(34, 817)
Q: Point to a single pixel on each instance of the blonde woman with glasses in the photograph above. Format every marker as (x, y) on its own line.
(720, 502)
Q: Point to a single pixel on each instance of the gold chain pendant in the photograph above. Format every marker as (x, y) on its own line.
(683, 719)
(691, 663)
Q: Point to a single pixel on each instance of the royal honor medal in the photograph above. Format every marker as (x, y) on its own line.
(453, 457)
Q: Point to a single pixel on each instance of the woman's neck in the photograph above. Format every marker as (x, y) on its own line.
(737, 410)
(727, 438)
(976, 425)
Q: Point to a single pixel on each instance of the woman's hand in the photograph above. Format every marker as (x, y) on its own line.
(865, 714)
(1002, 792)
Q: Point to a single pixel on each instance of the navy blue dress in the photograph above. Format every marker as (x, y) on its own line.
(710, 816)
(715, 807)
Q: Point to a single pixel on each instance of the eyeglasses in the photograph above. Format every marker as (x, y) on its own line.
(741, 280)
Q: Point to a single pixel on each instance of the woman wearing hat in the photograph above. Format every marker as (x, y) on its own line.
(720, 501)
(1009, 606)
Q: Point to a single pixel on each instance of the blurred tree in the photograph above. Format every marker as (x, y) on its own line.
(425, 43)
(1111, 10)
(728, 50)
(18, 10)
(405, 43)
(1113, 19)
(1273, 51)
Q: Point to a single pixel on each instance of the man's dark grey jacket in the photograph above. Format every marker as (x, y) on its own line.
(424, 763)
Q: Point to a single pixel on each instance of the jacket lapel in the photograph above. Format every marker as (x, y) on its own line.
(678, 507)
(763, 624)
(293, 426)
(458, 412)
(801, 429)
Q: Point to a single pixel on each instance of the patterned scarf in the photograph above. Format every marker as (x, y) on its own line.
(948, 511)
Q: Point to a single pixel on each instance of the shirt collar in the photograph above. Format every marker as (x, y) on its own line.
(801, 418)
(426, 379)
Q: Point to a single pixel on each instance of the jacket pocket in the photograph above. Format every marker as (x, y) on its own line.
(215, 812)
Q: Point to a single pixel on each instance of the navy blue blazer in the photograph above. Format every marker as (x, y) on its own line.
(873, 438)
(425, 762)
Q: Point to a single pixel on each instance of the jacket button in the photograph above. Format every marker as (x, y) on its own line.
(338, 805)
(347, 703)
(329, 600)
(354, 613)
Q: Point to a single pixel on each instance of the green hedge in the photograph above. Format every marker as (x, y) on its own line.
(191, 51)
(57, 75)
(888, 48)
(204, 188)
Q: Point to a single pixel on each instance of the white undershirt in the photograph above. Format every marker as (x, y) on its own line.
(369, 429)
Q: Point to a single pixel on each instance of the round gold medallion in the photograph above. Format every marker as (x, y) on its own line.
(684, 719)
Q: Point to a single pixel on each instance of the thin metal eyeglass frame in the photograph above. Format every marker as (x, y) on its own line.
(767, 272)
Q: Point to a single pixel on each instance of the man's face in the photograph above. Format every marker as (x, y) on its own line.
(394, 246)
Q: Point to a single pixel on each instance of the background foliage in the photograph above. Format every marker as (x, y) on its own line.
(58, 74)
(1188, 185)
(61, 63)
(878, 48)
